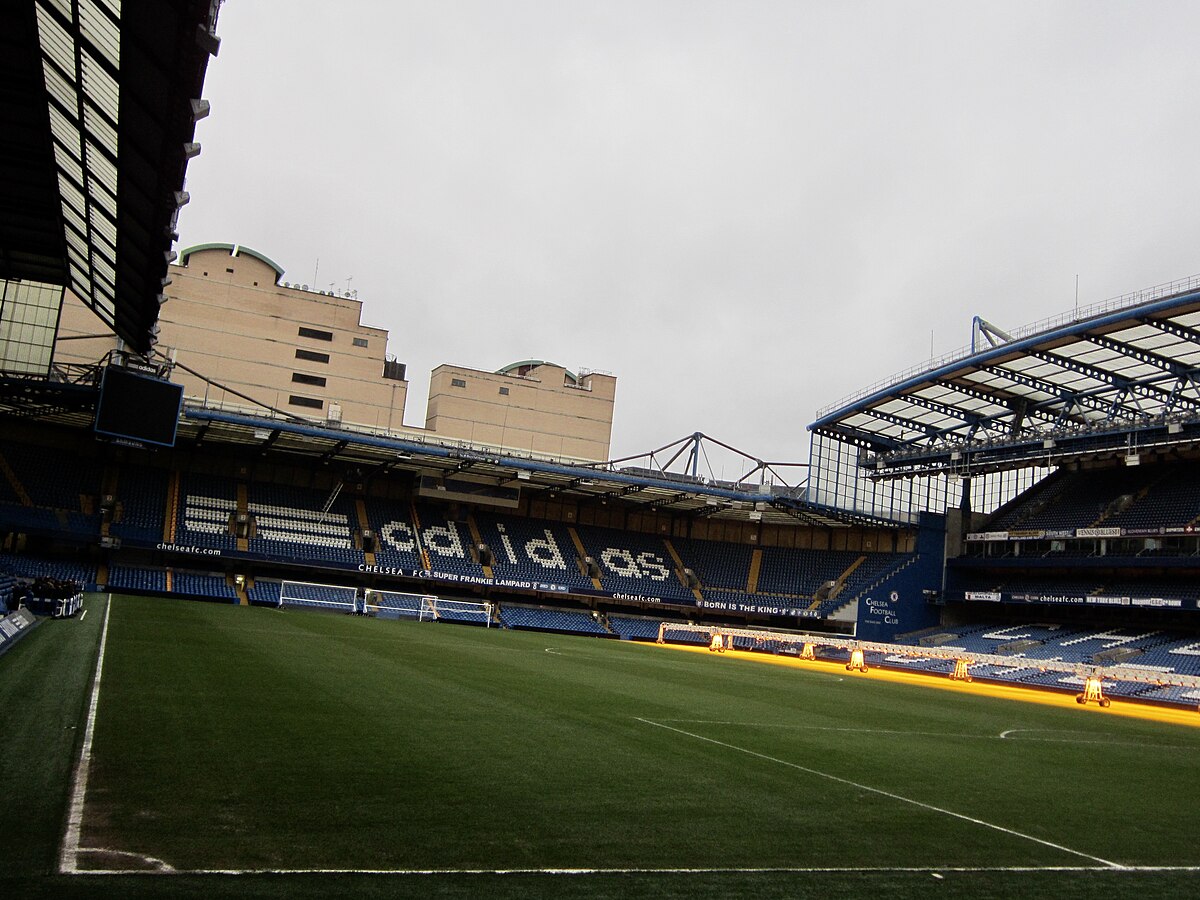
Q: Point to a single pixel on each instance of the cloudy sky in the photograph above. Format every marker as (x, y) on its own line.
(745, 210)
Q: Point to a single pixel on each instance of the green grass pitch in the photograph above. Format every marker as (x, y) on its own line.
(315, 746)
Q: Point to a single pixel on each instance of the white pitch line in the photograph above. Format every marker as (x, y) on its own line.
(874, 790)
(69, 857)
(1004, 735)
(84, 616)
(711, 870)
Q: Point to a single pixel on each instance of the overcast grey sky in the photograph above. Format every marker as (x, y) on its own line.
(744, 210)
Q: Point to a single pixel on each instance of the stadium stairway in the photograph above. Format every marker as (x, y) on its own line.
(171, 514)
(477, 541)
(364, 525)
(679, 567)
(755, 568)
(14, 482)
(243, 509)
(239, 589)
(416, 523)
(580, 555)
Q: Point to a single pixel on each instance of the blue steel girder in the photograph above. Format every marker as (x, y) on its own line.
(928, 430)
(980, 393)
(1148, 357)
(1125, 387)
(1176, 329)
(1043, 409)
(1185, 376)
(967, 419)
(855, 438)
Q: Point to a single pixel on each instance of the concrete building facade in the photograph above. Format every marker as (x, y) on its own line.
(243, 338)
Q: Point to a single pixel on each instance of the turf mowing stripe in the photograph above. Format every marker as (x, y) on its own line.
(69, 858)
(883, 793)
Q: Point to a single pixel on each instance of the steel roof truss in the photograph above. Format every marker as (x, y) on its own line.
(1124, 386)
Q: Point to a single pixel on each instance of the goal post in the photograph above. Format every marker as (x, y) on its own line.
(309, 595)
(425, 607)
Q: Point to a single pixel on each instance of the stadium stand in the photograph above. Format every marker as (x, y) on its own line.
(447, 542)
(633, 563)
(718, 565)
(542, 619)
(264, 593)
(208, 504)
(294, 524)
(197, 584)
(532, 550)
(137, 578)
(634, 627)
(142, 497)
(61, 570)
(396, 545)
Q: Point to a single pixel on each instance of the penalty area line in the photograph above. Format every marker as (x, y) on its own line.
(874, 790)
(68, 860)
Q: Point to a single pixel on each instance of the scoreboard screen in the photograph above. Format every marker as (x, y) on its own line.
(137, 407)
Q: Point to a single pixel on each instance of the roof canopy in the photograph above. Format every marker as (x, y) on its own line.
(99, 100)
(1123, 374)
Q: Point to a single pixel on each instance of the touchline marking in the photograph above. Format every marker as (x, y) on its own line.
(84, 616)
(1004, 735)
(713, 870)
(948, 734)
(883, 793)
(69, 858)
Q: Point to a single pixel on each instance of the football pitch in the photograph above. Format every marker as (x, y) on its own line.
(253, 752)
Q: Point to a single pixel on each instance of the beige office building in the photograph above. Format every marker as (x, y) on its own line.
(244, 339)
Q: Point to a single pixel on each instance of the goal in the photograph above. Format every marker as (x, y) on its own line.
(425, 608)
(318, 596)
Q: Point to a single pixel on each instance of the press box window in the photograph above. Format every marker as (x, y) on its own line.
(316, 334)
(315, 380)
(310, 356)
(457, 382)
(308, 402)
(360, 342)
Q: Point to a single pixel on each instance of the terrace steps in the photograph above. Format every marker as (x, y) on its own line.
(14, 482)
(364, 524)
(581, 555)
(679, 567)
(755, 568)
(477, 540)
(243, 509)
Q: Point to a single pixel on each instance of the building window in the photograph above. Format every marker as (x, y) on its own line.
(457, 382)
(315, 380)
(316, 334)
(360, 342)
(230, 271)
(310, 356)
(308, 402)
(503, 392)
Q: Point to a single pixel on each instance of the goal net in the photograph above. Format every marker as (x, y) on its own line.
(318, 596)
(425, 608)
(384, 604)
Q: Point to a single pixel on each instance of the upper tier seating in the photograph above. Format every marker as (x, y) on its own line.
(633, 563)
(1147, 496)
(142, 494)
(206, 507)
(532, 550)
